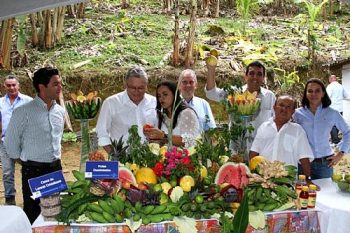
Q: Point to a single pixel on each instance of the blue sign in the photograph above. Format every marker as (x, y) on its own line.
(48, 184)
(101, 169)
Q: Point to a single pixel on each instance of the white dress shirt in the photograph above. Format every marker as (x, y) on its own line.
(119, 113)
(289, 144)
(204, 113)
(337, 93)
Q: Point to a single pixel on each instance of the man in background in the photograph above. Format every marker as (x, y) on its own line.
(12, 100)
(188, 85)
(337, 93)
(119, 112)
(34, 134)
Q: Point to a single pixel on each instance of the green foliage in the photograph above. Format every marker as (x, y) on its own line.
(287, 80)
(138, 152)
(69, 137)
(21, 35)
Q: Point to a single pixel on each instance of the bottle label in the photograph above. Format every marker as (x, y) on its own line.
(311, 202)
(303, 203)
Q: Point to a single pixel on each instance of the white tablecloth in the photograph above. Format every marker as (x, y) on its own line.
(335, 207)
(14, 220)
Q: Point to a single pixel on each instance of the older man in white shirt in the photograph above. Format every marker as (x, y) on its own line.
(129, 107)
(280, 139)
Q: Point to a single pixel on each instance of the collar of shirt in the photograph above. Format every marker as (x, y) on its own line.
(262, 92)
(41, 102)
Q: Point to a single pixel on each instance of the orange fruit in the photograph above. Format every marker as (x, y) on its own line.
(255, 161)
(146, 175)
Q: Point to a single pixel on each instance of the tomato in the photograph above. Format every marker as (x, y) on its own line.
(147, 126)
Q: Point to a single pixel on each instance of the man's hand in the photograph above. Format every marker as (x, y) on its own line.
(333, 160)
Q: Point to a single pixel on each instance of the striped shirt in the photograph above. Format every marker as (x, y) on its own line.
(34, 132)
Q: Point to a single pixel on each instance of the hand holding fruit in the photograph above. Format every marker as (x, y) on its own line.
(152, 133)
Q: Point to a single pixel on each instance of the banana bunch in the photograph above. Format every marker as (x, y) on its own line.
(84, 107)
(246, 103)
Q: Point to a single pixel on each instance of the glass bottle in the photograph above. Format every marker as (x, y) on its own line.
(300, 183)
(304, 197)
(312, 196)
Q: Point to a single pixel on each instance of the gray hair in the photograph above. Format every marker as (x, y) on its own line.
(188, 72)
(11, 77)
(136, 72)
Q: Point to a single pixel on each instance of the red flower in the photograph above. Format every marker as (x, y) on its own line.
(158, 168)
(186, 160)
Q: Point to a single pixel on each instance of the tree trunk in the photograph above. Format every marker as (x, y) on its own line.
(217, 9)
(6, 43)
(206, 7)
(33, 22)
(48, 30)
(191, 34)
(70, 11)
(124, 4)
(60, 25)
(176, 53)
(81, 10)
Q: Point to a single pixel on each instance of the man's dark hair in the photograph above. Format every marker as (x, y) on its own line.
(257, 64)
(326, 101)
(177, 101)
(43, 76)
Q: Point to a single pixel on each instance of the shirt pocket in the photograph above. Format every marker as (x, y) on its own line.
(288, 142)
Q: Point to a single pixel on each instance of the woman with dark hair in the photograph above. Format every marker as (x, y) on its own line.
(317, 119)
(170, 105)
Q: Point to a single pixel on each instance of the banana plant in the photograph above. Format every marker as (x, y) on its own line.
(244, 9)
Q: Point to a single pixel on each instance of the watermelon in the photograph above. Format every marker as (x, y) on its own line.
(125, 175)
(234, 174)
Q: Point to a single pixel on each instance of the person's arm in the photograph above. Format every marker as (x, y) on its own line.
(14, 133)
(102, 127)
(210, 77)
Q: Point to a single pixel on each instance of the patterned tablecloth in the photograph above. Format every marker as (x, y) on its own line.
(288, 221)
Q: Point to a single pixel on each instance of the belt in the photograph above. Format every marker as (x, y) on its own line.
(53, 164)
(323, 159)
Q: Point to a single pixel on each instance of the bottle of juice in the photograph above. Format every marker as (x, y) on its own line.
(312, 196)
(304, 197)
(300, 183)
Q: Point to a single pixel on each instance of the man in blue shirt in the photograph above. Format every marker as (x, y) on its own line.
(8, 103)
(188, 85)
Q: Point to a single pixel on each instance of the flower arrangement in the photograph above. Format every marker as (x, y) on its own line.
(245, 103)
(177, 163)
(84, 106)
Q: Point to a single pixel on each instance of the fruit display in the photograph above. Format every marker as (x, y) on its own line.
(84, 106)
(342, 175)
(245, 103)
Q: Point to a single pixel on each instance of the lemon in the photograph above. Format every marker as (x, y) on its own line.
(186, 183)
(255, 161)
(146, 175)
(134, 167)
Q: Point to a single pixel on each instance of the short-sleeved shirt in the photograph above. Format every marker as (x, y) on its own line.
(289, 144)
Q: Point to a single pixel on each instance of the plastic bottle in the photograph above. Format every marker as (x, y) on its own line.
(300, 183)
(304, 197)
(312, 196)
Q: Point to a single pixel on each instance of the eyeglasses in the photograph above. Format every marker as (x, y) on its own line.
(134, 89)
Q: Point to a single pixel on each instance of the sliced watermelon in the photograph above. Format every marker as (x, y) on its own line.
(125, 175)
(233, 173)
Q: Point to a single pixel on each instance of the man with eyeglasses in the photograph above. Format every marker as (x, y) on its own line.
(254, 78)
(187, 85)
(119, 112)
(12, 100)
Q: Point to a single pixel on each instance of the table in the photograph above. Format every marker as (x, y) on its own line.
(335, 207)
(14, 220)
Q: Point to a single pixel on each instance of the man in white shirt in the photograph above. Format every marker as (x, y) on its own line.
(337, 93)
(254, 78)
(188, 85)
(129, 107)
(280, 139)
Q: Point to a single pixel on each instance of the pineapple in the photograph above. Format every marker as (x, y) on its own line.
(118, 149)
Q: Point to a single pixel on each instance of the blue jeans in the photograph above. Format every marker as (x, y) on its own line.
(320, 169)
(8, 172)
